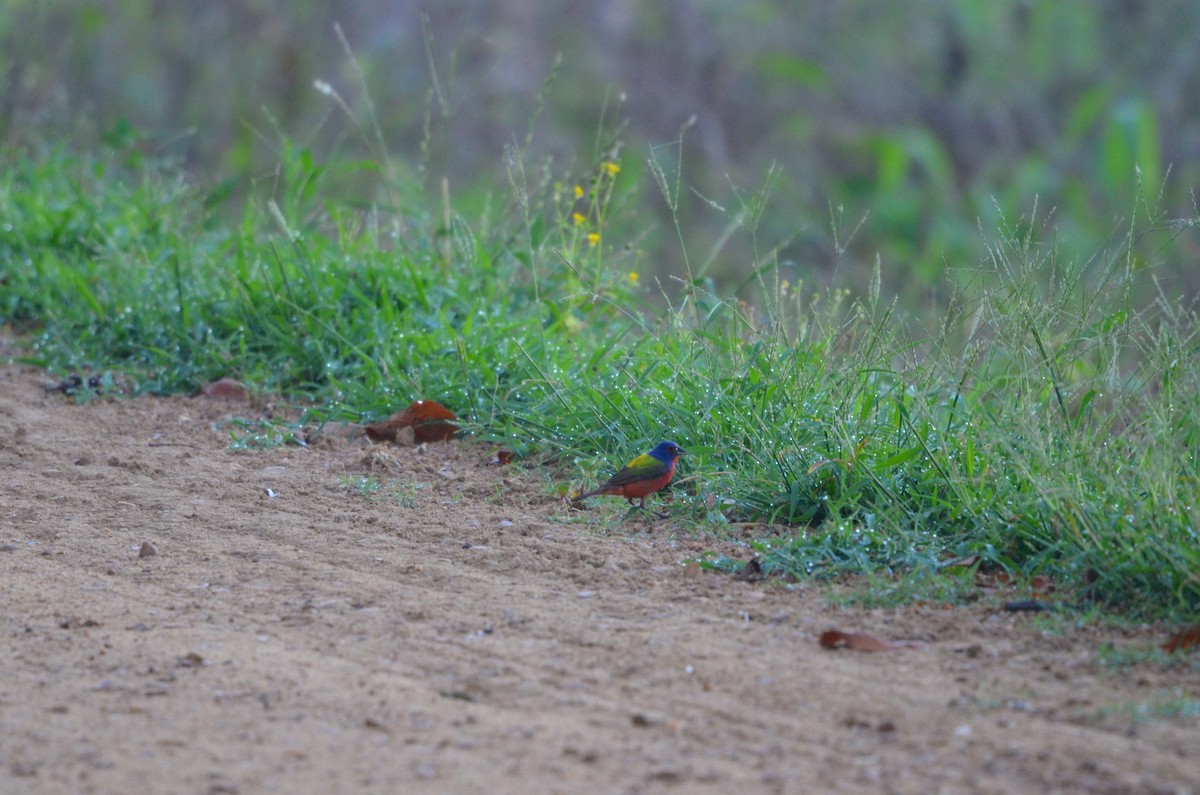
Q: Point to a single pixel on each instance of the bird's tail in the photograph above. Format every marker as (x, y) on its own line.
(583, 495)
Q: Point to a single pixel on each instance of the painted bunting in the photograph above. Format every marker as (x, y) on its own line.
(643, 475)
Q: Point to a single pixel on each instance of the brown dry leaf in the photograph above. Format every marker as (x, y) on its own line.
(1041, 585)
(225, 389)
(502, 458)
(1183, 640)
(861, 641)
(993, 580)
(430, 422)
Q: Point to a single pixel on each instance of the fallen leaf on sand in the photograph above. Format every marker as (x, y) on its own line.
(862, 641)
(1183, 640)
(430, 422)
(225, 389)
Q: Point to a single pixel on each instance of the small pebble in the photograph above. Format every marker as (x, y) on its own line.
(148, 550)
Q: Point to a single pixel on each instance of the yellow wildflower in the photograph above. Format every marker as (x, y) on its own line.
(593, 238)
(633, 277)
(611, 167)
(578, 191)
(579, 219)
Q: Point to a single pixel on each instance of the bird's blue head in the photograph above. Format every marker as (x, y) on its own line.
(667, 451)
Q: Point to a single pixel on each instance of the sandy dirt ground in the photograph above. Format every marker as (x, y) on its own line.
(451, 626)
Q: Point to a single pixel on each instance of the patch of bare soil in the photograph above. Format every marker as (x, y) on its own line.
(182, 617)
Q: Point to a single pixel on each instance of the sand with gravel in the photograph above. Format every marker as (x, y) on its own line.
(182, 617)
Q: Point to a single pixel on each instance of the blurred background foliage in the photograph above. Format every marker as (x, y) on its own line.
(938, 121)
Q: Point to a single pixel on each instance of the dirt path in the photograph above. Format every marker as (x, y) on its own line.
(459, 630)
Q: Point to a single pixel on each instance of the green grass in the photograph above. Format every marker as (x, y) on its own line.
(261, 434)
(1166, 706)
(371, 487)
(876, 590)
(1041, 420)
(1122, 658)
(932, 120)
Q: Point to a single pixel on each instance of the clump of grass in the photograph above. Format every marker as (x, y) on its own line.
(372, 488)
(261, 434)
(1164, 706)
(1122, 658)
